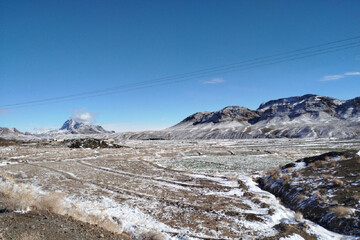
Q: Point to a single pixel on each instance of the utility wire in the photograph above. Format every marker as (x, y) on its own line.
(244, 65)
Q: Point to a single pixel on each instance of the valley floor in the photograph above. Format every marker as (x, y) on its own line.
(163, 189)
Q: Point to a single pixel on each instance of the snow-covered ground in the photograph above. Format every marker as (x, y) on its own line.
(183, 189)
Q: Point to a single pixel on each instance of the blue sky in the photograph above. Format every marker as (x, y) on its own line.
(58, 48)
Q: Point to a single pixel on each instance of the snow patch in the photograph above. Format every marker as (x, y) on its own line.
(299, 166)
(292, 237)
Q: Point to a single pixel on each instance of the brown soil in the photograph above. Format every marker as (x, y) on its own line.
(46, 225)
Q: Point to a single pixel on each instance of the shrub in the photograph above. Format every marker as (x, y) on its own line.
(341, 211)
(300, 197)
(19, 196)
(326, 176)
(111, 226)
(333, 164)
(285, 177)
(152, 235)
(338, 182)
(356, 196)
(320, 163)
(298, 216)
(52, 202)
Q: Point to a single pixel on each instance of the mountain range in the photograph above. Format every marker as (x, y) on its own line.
(307, 116)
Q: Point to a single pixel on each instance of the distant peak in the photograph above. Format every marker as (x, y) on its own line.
(71, 124)
(75, 127)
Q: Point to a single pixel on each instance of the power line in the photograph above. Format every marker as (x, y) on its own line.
(187, 79)
(243, 65)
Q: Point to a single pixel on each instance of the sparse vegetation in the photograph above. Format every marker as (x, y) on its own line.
(23, 197)
(152, 235)
(341, 211)
(337, 182)
(321, 189)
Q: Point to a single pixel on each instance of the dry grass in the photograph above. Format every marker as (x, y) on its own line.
(320, 163)
(109, 225)
(30, 236)
(298, 216)
(285, 176)
(337, 182)
(326, 176)
(320, 196)
(333, 164)
(52, 202)
(312, 166)
(266, 180)
(301, 197)
(152, 235)
(20, 196)
(275, 174)
(356, 196)
(341, 211)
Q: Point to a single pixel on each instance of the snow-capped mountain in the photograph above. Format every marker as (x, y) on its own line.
(294, 117)
(13, 133)
(73, 127)
(4, 131)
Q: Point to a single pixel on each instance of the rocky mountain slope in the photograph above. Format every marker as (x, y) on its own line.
(294, 117)
(13, 133)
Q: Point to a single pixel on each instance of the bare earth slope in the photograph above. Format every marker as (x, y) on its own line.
(47, 225)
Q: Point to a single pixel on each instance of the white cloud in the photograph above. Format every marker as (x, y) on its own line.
(332, 77)
(339, 76)
(214, 81)
(352, 73)
(82, 116)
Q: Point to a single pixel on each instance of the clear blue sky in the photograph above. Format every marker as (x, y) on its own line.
(58, 48)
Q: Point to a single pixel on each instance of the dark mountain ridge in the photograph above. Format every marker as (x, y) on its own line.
(315, 107)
